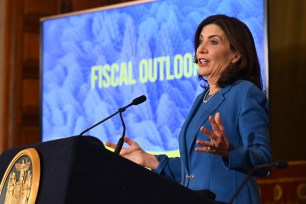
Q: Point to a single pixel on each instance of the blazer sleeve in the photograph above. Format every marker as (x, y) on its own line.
(169, 167)
(255, 148)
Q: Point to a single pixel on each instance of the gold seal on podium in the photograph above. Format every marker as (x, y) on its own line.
(20, 182)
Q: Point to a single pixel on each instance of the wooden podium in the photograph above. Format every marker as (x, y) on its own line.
(80, 170)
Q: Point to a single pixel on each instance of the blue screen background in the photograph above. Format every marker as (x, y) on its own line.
(72, 45)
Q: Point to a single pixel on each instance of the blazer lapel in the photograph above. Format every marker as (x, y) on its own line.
(182, 138)
(218, 99)
(210, 109)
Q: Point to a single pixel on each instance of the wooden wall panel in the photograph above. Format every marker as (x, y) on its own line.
(31, 50)
(41, 6)
(5, 47)
(29, 134)
(15, 18)
(287, 40)
(30, 87)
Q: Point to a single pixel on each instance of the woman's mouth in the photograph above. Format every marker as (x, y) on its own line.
(202, 61)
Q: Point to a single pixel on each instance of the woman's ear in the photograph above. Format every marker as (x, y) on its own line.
(236, 57)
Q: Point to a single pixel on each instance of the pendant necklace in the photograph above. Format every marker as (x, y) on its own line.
(205, 100)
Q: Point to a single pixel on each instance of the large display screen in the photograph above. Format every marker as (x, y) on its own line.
(96, 61)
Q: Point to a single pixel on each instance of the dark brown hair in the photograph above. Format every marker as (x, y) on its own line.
(241, 41)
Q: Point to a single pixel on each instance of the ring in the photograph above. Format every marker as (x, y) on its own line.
(208, 148)
(211, 144)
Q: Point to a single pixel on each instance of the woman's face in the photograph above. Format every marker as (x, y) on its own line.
(214, 54)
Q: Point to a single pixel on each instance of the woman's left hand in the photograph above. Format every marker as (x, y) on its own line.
(218, 143)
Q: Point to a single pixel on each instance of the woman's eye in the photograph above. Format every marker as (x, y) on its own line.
(213, 42)
(200, 42)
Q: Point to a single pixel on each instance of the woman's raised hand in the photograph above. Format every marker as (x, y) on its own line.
(218, 143)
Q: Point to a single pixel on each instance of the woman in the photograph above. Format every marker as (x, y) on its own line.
(226, 133)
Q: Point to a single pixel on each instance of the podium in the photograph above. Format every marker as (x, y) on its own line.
(79, 169)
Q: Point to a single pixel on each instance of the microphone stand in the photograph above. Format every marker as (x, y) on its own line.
(98, 123)
(242, 185)
(277, 164)
(136, 101)
(120, 110)
(121, 139)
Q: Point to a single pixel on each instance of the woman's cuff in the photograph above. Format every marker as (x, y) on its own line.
(163, 160)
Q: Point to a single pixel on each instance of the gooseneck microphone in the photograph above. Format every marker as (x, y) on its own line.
(136, 101)
(277, 164)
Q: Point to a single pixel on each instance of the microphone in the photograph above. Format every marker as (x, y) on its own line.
(277, 164)
(136, 101)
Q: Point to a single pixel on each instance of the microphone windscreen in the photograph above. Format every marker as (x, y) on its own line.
(139, 100)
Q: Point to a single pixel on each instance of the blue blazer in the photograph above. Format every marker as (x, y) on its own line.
(244, 113)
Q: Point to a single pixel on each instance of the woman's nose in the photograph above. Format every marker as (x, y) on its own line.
(202, 48)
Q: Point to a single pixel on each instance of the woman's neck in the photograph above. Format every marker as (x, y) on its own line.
(213, 84)
(213, 89)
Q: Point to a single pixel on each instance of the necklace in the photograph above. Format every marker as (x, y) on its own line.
(205, 100)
